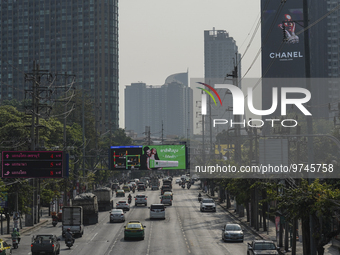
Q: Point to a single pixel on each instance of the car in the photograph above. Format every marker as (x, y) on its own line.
(5, 248)
(165, 188)
(166, 200)
(117, 215)
(45, 244)
(126, 188)
(141, 199)
(122, 204)
(157, 211)
(120, 193)
(141, 186)
(132, 184)
(232, 232)
(178, 181)
(262, 247)
(169, 193)
(115, 186)
(134, 229)
(208, 204)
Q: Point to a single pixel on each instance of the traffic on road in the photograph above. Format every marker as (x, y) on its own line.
(154, 224)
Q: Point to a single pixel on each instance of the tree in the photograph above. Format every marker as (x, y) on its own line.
(321, 201)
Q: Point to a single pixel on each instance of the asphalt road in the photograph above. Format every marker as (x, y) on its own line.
(185, 230)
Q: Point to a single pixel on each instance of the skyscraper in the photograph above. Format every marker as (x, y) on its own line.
(220, 58)
(166, 109)
(76, 37)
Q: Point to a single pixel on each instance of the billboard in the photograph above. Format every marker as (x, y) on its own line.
(282, 39)
(148, 157)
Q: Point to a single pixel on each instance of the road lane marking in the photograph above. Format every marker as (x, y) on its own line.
(93, 237)
(114, 243)
(149, 241)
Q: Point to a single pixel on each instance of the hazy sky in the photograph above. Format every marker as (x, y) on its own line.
(158, 38)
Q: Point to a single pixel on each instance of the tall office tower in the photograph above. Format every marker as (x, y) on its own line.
(220, 57)
(166, 109)
(331, 39)
(76, 37)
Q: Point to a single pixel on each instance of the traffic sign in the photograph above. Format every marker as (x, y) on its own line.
(36, 164)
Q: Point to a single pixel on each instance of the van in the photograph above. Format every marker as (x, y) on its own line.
(157, 211)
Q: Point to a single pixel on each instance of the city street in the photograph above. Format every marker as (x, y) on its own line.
(185, 230)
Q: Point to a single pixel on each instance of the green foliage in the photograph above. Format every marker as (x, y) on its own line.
(320, 200)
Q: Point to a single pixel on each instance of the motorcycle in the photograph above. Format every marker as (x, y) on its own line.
(69, 243)
(133, 190)
(15, 242)
(54, 222)
(183, 186)
(188, 186)
(199, 199)
(129, 200)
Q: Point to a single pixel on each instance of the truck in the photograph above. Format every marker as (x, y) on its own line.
(72, 217)
(45, 244)
(105, 198)
(154, 183)
(89, 203)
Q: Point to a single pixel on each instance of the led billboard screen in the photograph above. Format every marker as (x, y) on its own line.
(32, 164)
(148, 157)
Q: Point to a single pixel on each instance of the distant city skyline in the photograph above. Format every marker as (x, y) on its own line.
(158, 38)
(160, 111)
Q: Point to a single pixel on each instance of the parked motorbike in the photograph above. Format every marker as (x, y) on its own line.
(69, 243)
(15, 242)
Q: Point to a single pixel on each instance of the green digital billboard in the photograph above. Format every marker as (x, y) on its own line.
(148, 157)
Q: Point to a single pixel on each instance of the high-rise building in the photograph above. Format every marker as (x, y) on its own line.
(283, 57)
(220, 58)
(76, 37)
(166, 109)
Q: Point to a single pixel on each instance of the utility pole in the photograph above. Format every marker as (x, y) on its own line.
(162, 133)
(309, 118)
(37, 92)
(238, 157)
(83, 123)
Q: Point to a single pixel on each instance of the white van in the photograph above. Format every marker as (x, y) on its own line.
(157, 211)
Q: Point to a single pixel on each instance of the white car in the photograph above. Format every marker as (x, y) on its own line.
(178, 181)
(208, 204)
(123, 205)
(141, 199)
(117, 215)
(157, 211)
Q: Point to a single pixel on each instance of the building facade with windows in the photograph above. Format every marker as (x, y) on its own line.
(73, 37)
(166, 109)
(220, 58)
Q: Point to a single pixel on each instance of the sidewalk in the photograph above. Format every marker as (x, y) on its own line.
(266, 235)
(44, 219)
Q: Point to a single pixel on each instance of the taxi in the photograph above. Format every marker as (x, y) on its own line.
(5, 248)
(126, 188)
(134, 229)
(120, 193)
(166, 199)
(169, 193)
